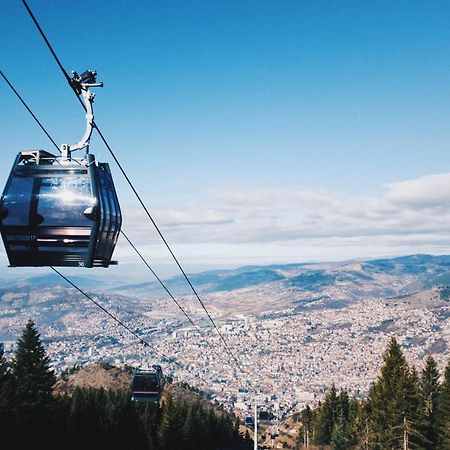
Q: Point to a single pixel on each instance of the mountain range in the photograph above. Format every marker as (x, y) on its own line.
(380, 277)
(255, 289)
(407, 274)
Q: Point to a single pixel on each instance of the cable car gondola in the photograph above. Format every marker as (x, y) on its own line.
(60, 211)
(248, 421)
(147, 384)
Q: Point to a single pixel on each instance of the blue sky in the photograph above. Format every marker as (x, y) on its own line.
(257, 131)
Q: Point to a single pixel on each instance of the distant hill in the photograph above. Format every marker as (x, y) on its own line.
(437, 296)
(249, 289)
(410, 273)
(380, 277)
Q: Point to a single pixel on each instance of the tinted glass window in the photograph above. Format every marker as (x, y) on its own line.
(48, 201)
(62, 201)
(146, 383)
(17, 201)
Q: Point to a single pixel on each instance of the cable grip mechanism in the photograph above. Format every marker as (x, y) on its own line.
(81, 84)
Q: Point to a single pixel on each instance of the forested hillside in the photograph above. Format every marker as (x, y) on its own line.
(405, 409)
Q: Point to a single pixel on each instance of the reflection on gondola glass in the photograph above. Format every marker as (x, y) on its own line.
(48, 201)
(63, 199)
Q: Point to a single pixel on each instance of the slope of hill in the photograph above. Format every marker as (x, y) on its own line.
(382, 277)
(435, 297)
(112, 378)
(250, 289)
(94, 376)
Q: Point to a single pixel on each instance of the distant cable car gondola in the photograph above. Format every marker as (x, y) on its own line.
(248, 421)
(60, 211)
(147, 384)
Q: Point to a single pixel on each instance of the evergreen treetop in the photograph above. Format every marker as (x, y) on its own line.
(31, 370)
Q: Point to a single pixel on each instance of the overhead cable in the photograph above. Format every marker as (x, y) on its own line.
(67, 77)
(29, 109)
(124, 325)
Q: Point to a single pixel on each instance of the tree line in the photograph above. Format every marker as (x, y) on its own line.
(32, 415)
(404, 409)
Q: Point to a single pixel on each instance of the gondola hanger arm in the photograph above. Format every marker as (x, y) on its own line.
(81, 84)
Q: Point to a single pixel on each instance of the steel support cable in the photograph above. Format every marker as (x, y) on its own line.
(124, 325)
(29, 110)
(199, 331)
(168, 247)
(133, 189)
(55, 56)
(126, 237)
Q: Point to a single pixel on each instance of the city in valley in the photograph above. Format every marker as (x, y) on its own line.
(295, 330)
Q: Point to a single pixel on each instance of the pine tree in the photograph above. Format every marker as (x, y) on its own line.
(412, 409)
(33, 381)
(31, 370)
(307, 418)
(344, 404)
(6, 393)
(248, 441)
(354, 424)
(149, 419)
(327, 417)
(430, 390)
(386, 400)
(444, 410)
(340, 435)
(170, 429)
(189, 430)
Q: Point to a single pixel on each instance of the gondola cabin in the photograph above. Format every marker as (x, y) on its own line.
(55, 213)
(248, 421)
(147, 385)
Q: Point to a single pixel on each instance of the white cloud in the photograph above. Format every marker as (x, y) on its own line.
(245, 223)
(426, 192)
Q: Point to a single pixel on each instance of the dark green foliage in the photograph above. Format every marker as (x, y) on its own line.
(6, 393)
(306, 428)
(327, 416)
(403, 410)
(31, 371)
(336, 420)
(444, 410)
(340, 435)
(105, 419)
(170, 428)
(392, 397)
(30, 403)
(431, 391)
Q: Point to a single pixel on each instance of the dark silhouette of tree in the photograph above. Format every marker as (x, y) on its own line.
(431, 390)
(170, 428)
(444, 410)
(33, 381)
(387, 398)
(340, 434)
(307, 423)
(6, 394)
(327, 417)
